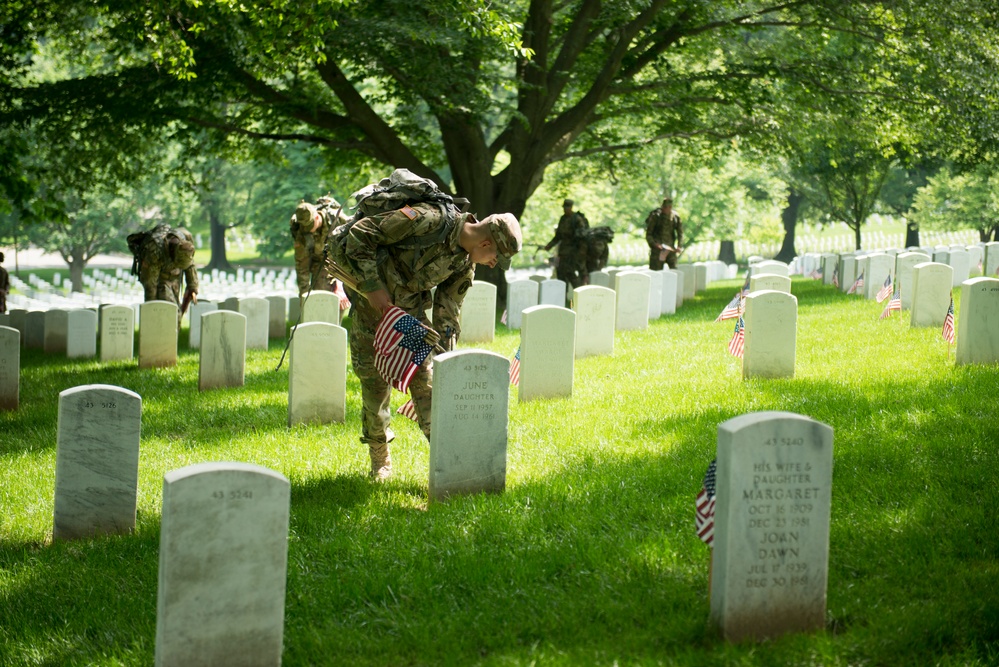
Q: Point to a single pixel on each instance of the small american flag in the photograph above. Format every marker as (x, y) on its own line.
(745, 286)
(857, 284)
(816, 274)
(339, 291)
(408, 409)
(948, 325)
(732, 310)
(503, 317)
(885, 290)
(895, 303)
(738, 338)
(400, 347)
(835, 279)
(704, 518)
(515, 369)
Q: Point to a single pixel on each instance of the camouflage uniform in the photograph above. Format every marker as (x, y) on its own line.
(407, 274)
(309, 245)
(165, 255)
(571, 248)
(4, 286)
(662, 230)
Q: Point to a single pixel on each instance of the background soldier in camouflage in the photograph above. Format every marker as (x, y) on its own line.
(387, 254)
(165, 255)
(4, 286)
(571, 246)
(663, 231)
(310, 227)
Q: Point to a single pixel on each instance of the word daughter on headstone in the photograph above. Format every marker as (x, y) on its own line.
(771, 541)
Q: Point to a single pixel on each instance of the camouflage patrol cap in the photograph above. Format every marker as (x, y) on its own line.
(505, 230)
(305, 214)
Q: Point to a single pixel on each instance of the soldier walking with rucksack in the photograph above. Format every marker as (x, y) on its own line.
(161, 257)
(570, 236)
(664, 234)
(4, 286)
(395, 257)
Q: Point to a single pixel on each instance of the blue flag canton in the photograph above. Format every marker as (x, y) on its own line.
(709, 479)
(413, 338)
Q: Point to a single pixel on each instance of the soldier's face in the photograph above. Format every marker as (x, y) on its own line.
(484, 253)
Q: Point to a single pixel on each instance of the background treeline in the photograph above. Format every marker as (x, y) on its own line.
(754, 116)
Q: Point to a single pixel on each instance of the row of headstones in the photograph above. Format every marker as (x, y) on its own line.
(224, 528)
(75, 332)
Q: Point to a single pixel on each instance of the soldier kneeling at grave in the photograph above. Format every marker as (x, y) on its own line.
(394, 258)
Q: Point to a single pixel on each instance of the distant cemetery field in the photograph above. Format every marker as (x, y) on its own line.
(588, 556)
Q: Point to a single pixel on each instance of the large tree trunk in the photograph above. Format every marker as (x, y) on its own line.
(76, 263)
(856, 233)
(911, 235)
(727, 252)
(218, 259)
(789, 218)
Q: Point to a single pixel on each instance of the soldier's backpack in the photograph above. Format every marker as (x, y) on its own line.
(597, 251)
(135, 242)
(401, 188)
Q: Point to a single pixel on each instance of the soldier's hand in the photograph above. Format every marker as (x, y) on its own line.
(379, 300)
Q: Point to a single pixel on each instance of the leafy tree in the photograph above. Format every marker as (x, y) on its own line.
(486, 97)
(953, 201)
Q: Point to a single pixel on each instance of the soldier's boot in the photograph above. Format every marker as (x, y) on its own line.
(381, 462)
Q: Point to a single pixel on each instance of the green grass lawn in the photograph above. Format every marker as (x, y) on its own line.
(590, 556)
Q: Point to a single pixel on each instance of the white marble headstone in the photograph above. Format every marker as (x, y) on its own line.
(769, 281)
(689, 280)
(960, 261)
(56, 331)
(97, 461)
(223, 566)
(600, 278)
(157, 334)
(478, 313)
(552, 293)
(771, 321)
(978, 322)
(471, 396)
(321, 307)
(595, 308)
(771, 266)
(520, 294)
(547, 350)
(656, 293)
(632, 288)
(277, 316)
(877, 268)
(770, 558)
(222, 361)
(10, 367)
(903, 280)
(669, 294)
(196, 311)
(117, 332)
(81, 334)
(257, 312)
(317, 374)
(34, 329)
(931, 289)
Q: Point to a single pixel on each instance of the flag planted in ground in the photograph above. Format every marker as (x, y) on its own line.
(503, 317)
(894, 303)
(835, 278)
(816, 274)
(401, 345)
(738, 338)
(948, 325)
(732, 310)
(408, 409)
(885, 290)
(704, 517)
(515, 369)
(857, 284)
